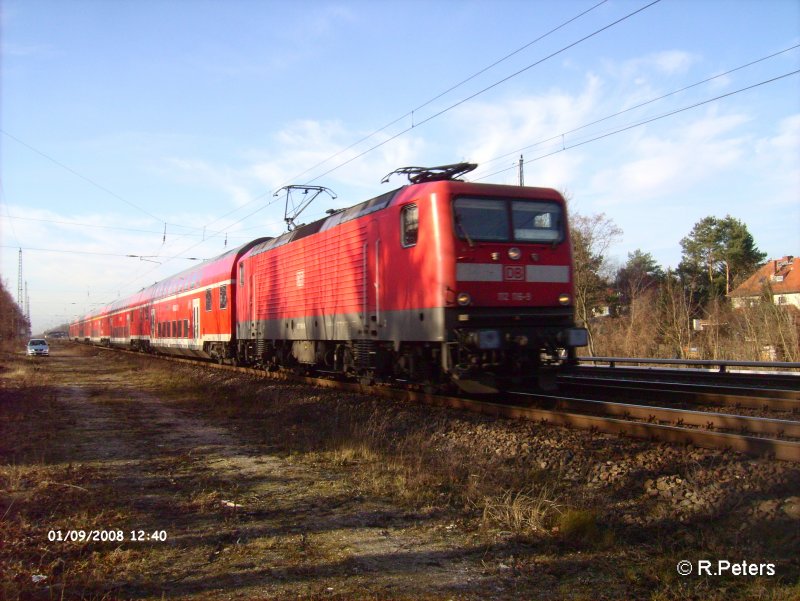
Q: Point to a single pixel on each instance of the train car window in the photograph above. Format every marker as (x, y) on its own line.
(186, 328)
(223, 297)
(180, 329)
(174, 330)
(536, 221)
(208, 299)
(481, 219)
(241, 274)
(409, 225)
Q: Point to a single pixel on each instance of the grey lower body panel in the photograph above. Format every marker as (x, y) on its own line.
(418, 325)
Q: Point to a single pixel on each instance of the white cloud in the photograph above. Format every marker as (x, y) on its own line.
(672, 61)
(307, 143)
(225, 179)
(778, 157)
(786, 143)
(660, 165)
(668, 62)
(491, 131)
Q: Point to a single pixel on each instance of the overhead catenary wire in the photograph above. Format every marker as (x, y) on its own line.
(484, 90)
(89, 252)
(225, 229)
(12, 218)
(637, 106)
(447, 91)
(562, 149)
(296, 177)
(81, 176)
(212, 234)
(193, 246)
(565, 147)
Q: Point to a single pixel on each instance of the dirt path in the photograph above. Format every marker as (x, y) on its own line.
(240, 519)
(217, 486)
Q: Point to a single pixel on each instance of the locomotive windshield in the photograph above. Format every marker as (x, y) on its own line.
(507, 220)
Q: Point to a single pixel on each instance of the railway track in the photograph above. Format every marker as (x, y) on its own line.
(699, 372)
(776, 438)
(715, 395)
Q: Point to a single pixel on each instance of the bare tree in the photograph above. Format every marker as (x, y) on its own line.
(13, 323)
(592, 236)
(675, 317)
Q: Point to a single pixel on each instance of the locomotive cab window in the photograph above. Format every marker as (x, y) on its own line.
(409, 225)
(536, 221)
(506, 220)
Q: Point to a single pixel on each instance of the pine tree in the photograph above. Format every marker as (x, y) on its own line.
(718, 254)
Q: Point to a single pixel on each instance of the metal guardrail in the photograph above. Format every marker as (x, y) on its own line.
(722, 365)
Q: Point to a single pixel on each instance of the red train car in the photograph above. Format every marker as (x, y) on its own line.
(433, 281)
(190, 313)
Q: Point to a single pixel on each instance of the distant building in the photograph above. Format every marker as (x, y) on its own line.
(779, 278)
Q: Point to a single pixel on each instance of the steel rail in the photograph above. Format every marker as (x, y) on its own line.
(723, 365)
(789, 382)
(678, 417)
(785, 450)
(751, 398)
(779, 449)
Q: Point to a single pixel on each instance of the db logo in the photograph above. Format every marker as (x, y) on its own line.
(513, 273)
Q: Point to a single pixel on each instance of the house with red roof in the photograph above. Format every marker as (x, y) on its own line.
(779, 278)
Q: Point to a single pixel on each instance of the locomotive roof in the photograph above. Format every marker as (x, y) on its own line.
(354, 212)
(376, 204)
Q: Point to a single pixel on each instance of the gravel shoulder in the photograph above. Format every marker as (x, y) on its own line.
(271, 490)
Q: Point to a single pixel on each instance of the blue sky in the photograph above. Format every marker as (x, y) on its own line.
(121, 116)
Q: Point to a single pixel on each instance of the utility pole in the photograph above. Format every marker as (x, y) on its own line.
(27, 303)
(19, 281)
(521, 171)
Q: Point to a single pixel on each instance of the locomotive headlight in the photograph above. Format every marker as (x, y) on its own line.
(564, 299)
(514, 253)
(463, 299)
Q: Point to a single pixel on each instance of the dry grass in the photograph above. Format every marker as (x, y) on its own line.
(42, 491)
(382, 450)
(521, 512)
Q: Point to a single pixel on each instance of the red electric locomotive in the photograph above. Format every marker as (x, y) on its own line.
(437, 281)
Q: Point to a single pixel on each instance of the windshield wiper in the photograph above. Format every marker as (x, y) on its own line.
(464, 231)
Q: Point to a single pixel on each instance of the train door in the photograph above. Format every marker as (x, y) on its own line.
(374, 276)
(196, 320)
(251, 305)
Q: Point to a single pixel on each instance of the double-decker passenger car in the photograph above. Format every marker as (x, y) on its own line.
(190, 313)
(437, 281)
